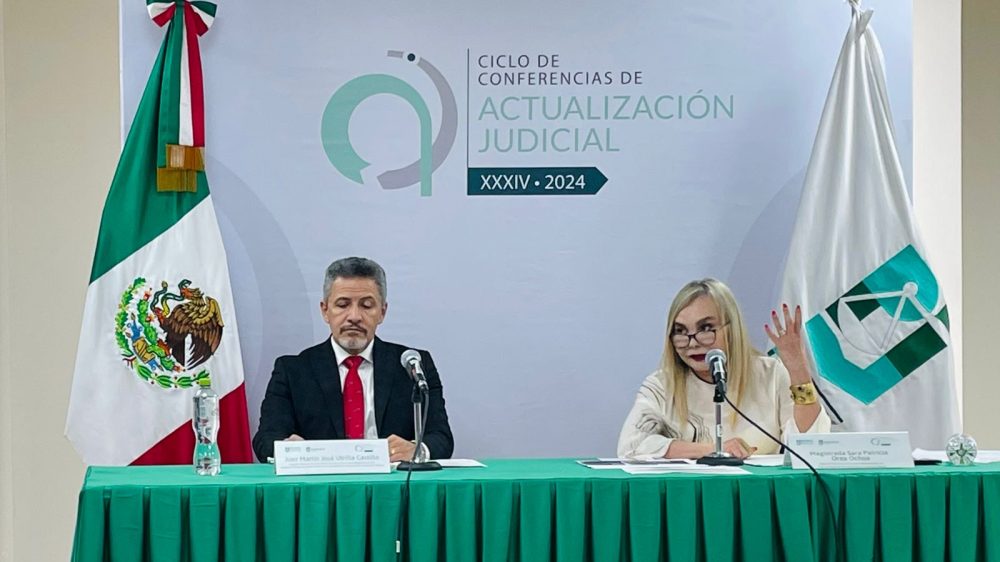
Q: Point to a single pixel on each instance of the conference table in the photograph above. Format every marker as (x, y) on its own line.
(539, 509)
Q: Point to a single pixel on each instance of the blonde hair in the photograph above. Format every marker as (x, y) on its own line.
(741, 352)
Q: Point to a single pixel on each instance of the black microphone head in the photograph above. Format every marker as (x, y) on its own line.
(715, 355)
(409, 357)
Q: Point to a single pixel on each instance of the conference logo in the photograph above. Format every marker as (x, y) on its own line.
(885, 328)
(433, 151)
(162, 343)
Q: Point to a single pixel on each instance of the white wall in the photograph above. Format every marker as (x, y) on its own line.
(980, 226)
(937, 149)
(61, 97)
(6, 502)
(59, 145)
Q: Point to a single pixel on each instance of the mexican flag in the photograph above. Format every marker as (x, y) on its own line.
(159, 314)
(876, 318)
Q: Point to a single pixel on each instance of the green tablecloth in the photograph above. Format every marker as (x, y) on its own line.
(539, 509)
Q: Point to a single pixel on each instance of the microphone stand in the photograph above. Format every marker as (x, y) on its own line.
(718, 457)
(419, 462)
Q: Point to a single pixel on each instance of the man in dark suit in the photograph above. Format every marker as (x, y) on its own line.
(351, 385)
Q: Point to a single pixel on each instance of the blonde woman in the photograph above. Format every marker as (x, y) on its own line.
(674, 416)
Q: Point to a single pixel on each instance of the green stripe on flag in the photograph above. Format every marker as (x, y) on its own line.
(861, 309)
(168, 128)
(943, 317)
(134, 212)
(915, 349)
(207, 7)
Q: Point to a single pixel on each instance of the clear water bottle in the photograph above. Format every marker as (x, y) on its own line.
(207, 459)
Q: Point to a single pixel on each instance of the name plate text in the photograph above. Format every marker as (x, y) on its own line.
(333, 456)
(853, 450)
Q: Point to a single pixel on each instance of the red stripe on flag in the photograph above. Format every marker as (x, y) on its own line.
(165, 16)
(234, 436)
(236, 441)
(200, 26)
(191, 26)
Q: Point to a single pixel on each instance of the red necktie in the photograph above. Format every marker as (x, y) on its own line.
(354, 399)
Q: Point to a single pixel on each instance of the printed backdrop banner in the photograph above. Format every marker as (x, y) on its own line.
(537, 178)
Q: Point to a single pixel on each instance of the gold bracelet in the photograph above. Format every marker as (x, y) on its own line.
(804, 394)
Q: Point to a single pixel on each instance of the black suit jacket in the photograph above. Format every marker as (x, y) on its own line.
(304, 397)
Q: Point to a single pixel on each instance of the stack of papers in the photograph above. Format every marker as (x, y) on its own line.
(622, 463)
(765, 460)
(982, 457)
(452, 463)
(691, 468)
(459, 463)
(660, 466)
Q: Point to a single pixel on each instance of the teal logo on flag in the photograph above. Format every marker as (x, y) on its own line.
(882, 329)
(337, 118)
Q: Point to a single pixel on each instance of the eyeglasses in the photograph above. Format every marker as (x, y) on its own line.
(704, 336)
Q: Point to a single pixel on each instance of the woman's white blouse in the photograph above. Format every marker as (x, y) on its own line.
(653, 424)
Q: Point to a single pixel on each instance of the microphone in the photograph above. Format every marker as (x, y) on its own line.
(410, 360)
(716, 359)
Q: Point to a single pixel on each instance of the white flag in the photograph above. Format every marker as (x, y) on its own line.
(875, 315)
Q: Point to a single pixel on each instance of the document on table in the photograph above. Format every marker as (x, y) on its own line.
(686, 469)
(982, 457)
(452, 463)
(459, 463)
(765, 460)
(607, 463)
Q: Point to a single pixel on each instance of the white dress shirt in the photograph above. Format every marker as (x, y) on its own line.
(367, 373)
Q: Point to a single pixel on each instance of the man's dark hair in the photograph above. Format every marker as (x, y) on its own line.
(355, 268)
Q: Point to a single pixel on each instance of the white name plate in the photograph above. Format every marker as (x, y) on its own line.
(853, 450)
(333, 456)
